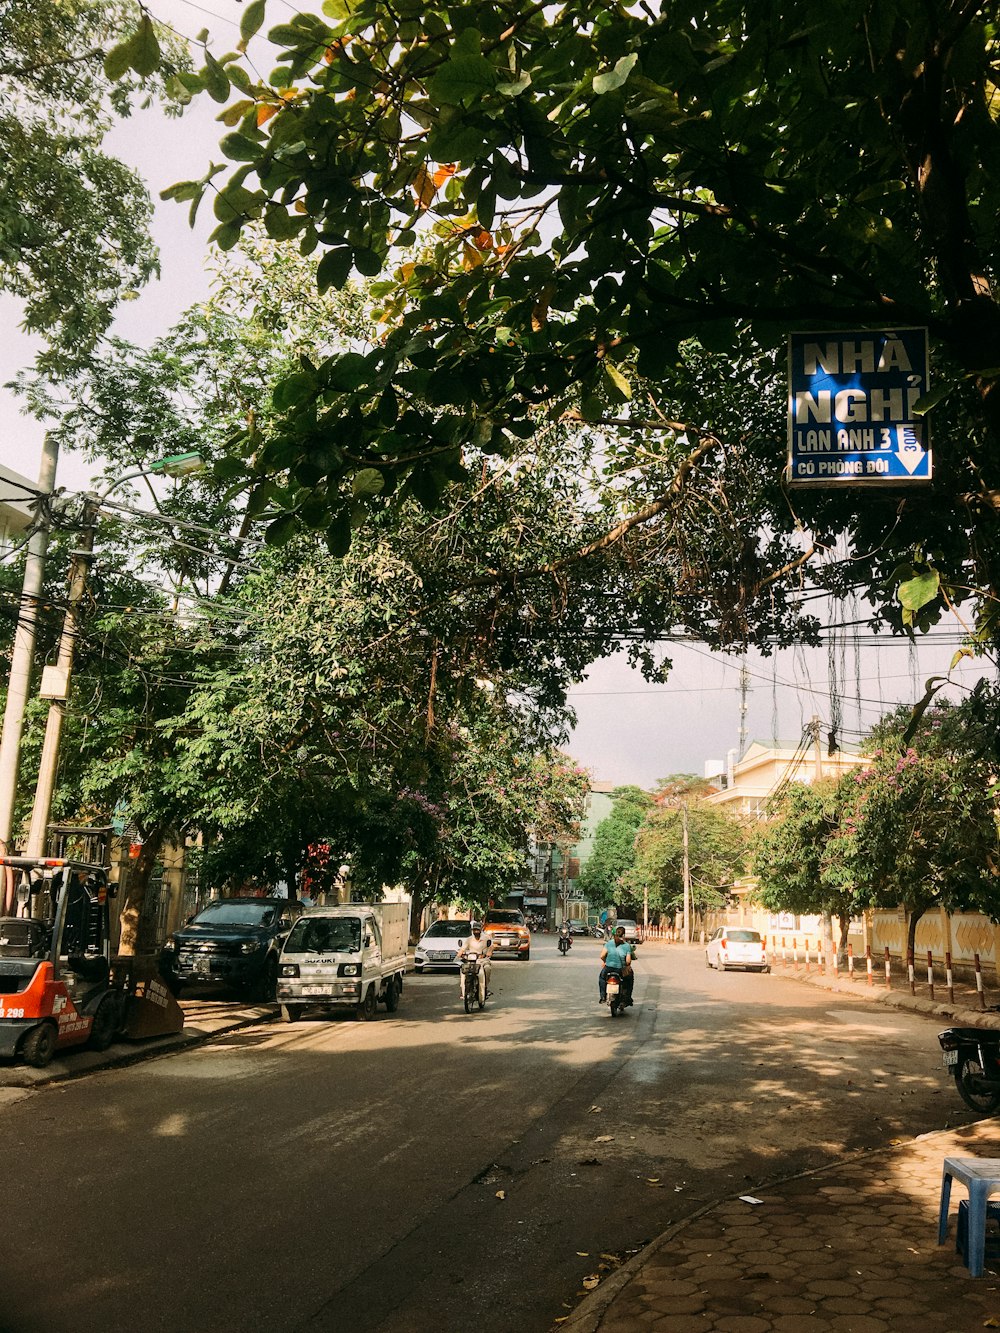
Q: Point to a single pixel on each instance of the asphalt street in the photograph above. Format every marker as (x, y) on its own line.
(433, 1170)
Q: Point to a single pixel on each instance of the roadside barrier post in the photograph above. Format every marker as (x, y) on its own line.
(868, 961)
(930, 972)
(948, 979)
(979, 984)
(834, 959)
(784, 953)
(795, 951)
(888, 967)
(910, 972)
(850, 962)
(807, 955)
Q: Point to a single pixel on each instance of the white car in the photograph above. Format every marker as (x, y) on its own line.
(736, 946)
(439, 945)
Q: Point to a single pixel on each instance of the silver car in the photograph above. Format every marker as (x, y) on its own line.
(633, 935)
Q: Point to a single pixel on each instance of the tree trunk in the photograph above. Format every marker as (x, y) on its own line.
(911, 934)
(138, 931)
(418, 901)
(845, 930)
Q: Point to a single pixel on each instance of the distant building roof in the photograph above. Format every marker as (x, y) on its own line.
(17, 494)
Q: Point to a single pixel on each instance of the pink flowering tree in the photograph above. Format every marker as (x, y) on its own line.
(921, 830)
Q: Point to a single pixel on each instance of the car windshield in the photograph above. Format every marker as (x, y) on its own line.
(743, 936)
(629, 925)
(261, 913)
(325, 934)
(449, 930)
(504, 919)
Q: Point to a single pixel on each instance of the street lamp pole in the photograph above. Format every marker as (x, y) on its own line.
(57, 686)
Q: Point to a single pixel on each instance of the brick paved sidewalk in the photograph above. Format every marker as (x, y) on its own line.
(850, 1248)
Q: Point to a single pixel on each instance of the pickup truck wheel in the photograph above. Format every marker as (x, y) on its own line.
(291, 1013)
(391, 996)
(265, 988)
(40, 1045)
(367, 1009)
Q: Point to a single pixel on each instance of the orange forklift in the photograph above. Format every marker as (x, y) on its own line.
(58, 985)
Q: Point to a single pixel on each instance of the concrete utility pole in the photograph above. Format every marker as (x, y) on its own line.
(24, 647)
(827, 921)
(62, 673)
(57, 687)
(687, 876)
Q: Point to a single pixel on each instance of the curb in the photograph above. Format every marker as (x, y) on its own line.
(119, 1055)
(898, 999)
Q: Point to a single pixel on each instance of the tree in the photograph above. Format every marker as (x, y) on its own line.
(612, 197)
(921, 831)
(74, 221)
(326, 687)
(716, 857)
(790, 853)
(604, 874)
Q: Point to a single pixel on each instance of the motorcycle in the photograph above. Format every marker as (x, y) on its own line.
(471, 995)
(565, 940)
(615, 992)
(973, 1056)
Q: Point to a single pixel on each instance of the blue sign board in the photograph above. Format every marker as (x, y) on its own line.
(851, 418)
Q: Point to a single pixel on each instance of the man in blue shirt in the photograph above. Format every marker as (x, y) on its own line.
(618, 954)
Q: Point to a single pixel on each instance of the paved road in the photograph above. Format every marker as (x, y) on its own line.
(434, 1170)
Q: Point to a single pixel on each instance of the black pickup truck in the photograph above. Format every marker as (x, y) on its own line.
(233, 941)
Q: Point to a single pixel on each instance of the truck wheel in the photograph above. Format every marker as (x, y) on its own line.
(106, 1022)
(366, 1010)
(392, 995)
(291, 1013)
(40, 1045)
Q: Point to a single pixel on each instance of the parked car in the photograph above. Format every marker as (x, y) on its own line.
(439, 943)
(505, 927)
(578, 928)
(736, 947)
(233, 941)
(633, 935)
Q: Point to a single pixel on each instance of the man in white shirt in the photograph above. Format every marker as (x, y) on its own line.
(484, 948)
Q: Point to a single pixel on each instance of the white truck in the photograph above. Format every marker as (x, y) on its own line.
(344, 957)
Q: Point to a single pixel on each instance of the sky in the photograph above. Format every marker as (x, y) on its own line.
(627, 730)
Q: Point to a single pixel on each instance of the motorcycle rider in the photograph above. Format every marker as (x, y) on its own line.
(565, 938)
(618, 954)
(484, 948)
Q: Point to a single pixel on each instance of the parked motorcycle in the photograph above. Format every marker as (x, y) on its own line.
(973, 1056)
(565, 940)
(598, 932)
(471, 995)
